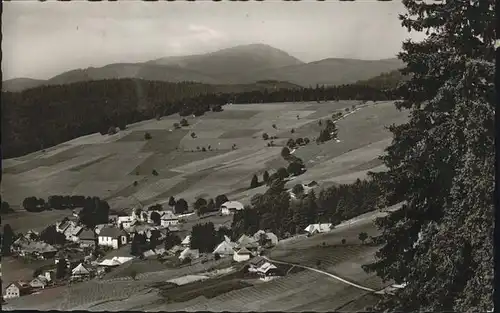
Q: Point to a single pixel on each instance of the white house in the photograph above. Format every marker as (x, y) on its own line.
(318, 228)
(189, 253)
(39, 282)
(224, 249)
(169, 219)
(268, 271)
(242, 255)
(231, 207)
(124, 221)
(112, 237)
(15, 290)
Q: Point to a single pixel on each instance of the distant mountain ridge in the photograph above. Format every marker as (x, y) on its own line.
(237, 65)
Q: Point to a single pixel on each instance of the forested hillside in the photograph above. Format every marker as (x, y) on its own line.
(45, 116)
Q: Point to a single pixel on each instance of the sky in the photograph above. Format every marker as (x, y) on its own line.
(43, 39)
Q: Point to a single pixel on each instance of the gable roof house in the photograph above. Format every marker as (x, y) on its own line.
(87, 238)
(255, 263)
(39, 249)
(62, 225)
(112, 237)
(268, 271)
(242, 255)
(80, 271)
(16, 290)
(72, 232)
(169, 219)
(247, 242)
(231, 207)
(224, 249)
(318, 228)
(39, 282)
(124, 221)
(189, 253)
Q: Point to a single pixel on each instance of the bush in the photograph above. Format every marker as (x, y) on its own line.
(292, 131)
(344, 241)
(265, 136)
(147, 136)
(318, 262)
(184, 122)
(216, 256)
(135, 183)
(154, 172)
(193, 135)
(274, 126)
(285, 152)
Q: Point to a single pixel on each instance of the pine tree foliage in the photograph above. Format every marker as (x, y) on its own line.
(441, 163)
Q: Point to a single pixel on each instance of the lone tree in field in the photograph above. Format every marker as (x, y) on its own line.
(171, 201)
(135, 183)
(362, 237)
(441, 162)
(193, 135)
(343, 241)
(285, 152)
(219, 200)
(274, 126)
(147, 136)
(292, 131)
(184, 122)
(265, 136)
(61, 268)
(8, 238)
(154, 172)
(282, 173)
(265, 176)
(295, 168)
(255, 182)
(181, 206)
(156, 218)
(298, 190)
(177, 126)
(306, 141)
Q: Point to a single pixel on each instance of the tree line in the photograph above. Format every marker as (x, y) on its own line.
(42, 117)
(277, 211)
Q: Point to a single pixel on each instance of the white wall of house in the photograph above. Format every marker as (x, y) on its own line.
(108, 241)
(241, 257)
(12, 292)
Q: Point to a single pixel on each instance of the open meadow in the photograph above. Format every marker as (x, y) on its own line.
(108, 165)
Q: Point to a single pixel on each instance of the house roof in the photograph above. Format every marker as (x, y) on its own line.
(186, 240)
(264, 268)
(247, 242)
(224, 247)
(243, 251)
(40, 278)
(37, 246)
(189, 252)
(318, 227)
(111, 232)
(257, 260)
(169, 215)
(233, 205)
(80, 269)
(87, 234)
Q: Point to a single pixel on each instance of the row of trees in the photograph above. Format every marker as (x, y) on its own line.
(82, 108)
(276, 211)
(57, 202)
(205, 238)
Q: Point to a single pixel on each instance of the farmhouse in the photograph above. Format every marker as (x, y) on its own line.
(124, 221)
(242, 255)
(62, 225)
(87, 238)
(270, 239)
(16, 290)
(39, 282)
(71, 231)
(230, 207)
(268, 271)
(112, 237)
(38, 249)
(169, 219)
(318, 228)
(224, 249)
(80, 272)
(247, 242)
(255, 263)
(189, 253)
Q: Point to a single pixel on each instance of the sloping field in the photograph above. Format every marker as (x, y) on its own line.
(107, 166)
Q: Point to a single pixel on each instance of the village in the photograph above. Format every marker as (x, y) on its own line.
(88, 254)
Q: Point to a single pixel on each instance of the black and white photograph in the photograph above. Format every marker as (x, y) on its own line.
(248, 156)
